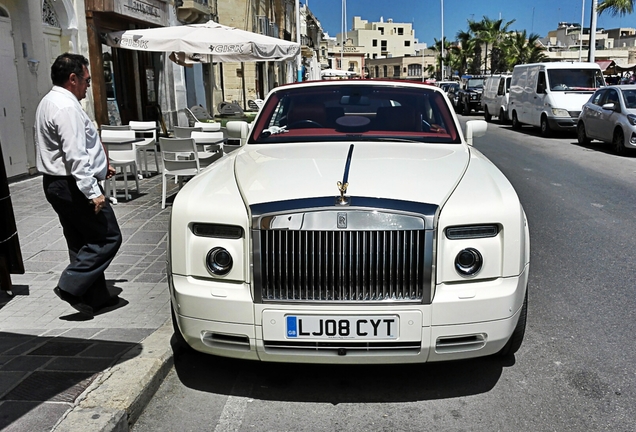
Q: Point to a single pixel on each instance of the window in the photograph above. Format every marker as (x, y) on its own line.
(598, 96)
(386, 71)
(396, 71)
(383, 45)
(374, 42)
(414, 70)
(407, 43)
(381, 30)
(400, 31)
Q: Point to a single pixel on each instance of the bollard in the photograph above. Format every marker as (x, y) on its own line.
(10, 254)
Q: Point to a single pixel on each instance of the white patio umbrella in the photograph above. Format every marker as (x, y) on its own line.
(335, 73)
(223, 43)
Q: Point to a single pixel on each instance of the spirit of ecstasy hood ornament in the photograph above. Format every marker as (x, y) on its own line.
(342, 186)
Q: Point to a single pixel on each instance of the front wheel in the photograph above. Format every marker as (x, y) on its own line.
(582, 135)
(515, 121)
(545, 127)
(502, 116)
(466, 109)
(619, 142)
(487, 115)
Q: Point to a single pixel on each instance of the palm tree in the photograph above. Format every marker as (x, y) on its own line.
(489, 32)
(518, 48)
(617, 7)
(437, 47)
(464, 51)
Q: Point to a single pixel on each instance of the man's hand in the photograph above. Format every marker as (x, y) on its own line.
(110, 172)
(99, 203)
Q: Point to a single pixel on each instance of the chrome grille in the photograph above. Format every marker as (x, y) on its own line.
(342, 266)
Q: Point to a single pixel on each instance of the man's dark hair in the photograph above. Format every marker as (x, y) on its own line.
(66, 64)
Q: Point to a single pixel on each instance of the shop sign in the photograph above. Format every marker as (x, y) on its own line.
(152, 11)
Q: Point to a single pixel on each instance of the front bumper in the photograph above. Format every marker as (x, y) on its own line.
(562, 123)
(463, 321)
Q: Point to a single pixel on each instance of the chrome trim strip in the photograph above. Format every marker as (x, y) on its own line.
(308, 205)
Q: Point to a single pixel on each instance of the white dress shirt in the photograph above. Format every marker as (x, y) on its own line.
(67, 142)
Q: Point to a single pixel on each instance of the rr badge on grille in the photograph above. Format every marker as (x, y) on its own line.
(342, 220)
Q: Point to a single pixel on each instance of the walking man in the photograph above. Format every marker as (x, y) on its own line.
(72, 160)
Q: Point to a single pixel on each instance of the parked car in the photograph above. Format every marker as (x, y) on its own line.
(610, 116)
(469, 94)
(551, 95)
(451, 92)
(495, 97)
(356, 225)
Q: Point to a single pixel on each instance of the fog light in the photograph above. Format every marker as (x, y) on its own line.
(632, 139)
(219, 261)
(468, 262)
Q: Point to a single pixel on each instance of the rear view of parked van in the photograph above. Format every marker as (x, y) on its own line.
(495, 97)
(551, 95)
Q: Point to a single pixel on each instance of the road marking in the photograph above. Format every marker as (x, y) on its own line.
(233, 412)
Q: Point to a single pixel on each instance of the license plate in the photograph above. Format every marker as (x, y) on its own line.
(342, 327)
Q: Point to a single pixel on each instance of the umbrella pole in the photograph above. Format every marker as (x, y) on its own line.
(243, 82)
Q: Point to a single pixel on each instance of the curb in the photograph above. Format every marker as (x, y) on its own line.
(117, 397)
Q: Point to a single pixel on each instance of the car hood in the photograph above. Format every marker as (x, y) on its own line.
(418, 172)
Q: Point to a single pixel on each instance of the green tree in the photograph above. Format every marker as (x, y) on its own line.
(617, 7)
(464, 51)
(519, 48)
(490, 33)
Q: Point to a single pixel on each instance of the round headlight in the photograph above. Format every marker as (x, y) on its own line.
(468, 262)
(219, 261)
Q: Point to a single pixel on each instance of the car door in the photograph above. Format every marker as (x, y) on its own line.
(607, 117)
(539, 98)
(592, 114)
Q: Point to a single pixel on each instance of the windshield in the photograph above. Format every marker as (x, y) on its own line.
(575, 79)
(629, 96)
(476, 83)
(338, 112)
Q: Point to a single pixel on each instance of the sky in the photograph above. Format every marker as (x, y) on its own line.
(534, 16)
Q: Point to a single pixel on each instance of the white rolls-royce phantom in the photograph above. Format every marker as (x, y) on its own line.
(356, 224)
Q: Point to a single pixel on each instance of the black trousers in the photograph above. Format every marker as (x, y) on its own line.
(92, 239)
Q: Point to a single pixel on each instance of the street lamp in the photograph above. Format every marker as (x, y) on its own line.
(442, 47)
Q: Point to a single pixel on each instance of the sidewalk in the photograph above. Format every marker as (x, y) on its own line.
(59, 372)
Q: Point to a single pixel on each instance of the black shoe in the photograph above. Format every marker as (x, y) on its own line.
(75, 301)
(112, 301)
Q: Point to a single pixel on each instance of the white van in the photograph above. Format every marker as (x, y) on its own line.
(551, 95)
(495, 97)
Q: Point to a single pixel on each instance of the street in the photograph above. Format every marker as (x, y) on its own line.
(574, 371)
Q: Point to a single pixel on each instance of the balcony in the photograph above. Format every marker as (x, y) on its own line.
(193, 11)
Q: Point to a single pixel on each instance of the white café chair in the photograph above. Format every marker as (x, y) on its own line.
(209, 146)
(180, 159)
(237, 132)
(208, 127)
(121, 156)
(185, 131)
(143, 129)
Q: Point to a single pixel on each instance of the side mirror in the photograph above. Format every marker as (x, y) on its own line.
(475, 129)
(610, 106)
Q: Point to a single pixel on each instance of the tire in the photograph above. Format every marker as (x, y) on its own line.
(545, 127)
(581, 135)
(487, 115)
(515, 121)
(180, 345)
(619, 141)
(516, 339)
(502, 117)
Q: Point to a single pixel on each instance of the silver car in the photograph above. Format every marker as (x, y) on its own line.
(610, 116)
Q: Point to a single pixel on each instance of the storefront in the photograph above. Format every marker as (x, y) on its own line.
(125, 82)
